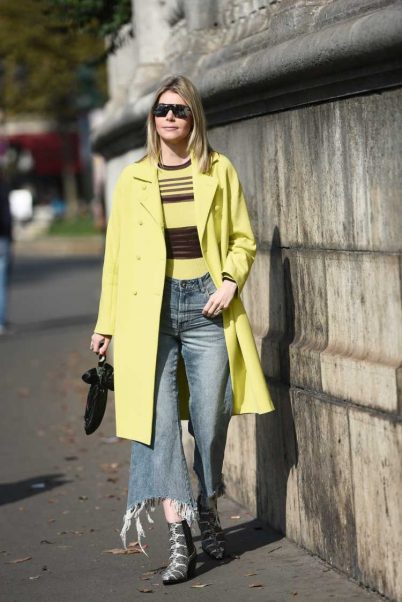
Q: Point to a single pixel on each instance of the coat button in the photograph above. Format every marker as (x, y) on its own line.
(134, 292)
(144, 186)
(138, 256)
(140, 222)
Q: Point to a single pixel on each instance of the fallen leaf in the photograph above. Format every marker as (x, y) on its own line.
(110, 467)
(249, 574)
(18, 560)
(201, 584)
(46, 541)
(150, 573)
(256, 585)
(145, 590)
(36, 577)
(83, 497)
(235, 516)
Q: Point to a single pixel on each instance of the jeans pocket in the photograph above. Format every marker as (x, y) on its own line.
(210, 287)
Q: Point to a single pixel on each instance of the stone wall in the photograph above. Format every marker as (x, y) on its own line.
(322, 184)
(305, 97)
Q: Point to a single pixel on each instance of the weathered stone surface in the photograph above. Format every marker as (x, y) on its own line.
(325, 481)
(326, 176)
(239, 467)
(376, 451)
(365, 329)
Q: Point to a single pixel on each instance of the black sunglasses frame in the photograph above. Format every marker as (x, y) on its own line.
(180, 111)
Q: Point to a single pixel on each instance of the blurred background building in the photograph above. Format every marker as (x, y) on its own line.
(53, 85)
(305, 97)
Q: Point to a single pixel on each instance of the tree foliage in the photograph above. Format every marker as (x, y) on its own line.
(103, 18)
(41, 60)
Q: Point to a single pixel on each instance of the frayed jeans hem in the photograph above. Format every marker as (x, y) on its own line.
(187, 511)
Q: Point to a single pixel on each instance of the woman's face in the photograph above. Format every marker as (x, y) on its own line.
(170, 128)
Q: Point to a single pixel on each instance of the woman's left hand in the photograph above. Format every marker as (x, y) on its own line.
(220, 299)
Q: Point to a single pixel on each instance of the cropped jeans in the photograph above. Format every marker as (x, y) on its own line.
(159, 471)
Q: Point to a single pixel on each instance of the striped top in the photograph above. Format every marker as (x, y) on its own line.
(183, 250)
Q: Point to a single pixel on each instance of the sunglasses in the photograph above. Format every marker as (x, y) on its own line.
(162, 109)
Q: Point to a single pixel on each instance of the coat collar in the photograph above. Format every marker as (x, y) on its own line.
(204, 186)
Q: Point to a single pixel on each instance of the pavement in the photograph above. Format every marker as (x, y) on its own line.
(63, 493)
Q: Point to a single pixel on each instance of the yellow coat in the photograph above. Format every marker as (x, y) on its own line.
(133, 281)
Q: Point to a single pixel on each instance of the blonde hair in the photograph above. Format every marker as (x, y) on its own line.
(197, 140)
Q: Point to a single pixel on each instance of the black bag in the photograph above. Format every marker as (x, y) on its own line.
(101, 380)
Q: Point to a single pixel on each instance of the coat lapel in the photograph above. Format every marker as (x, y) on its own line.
(204, 191)
(205, 187)
(150, 199)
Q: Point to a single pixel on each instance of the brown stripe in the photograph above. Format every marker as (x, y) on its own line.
(182, 243)
(178, 189)
(175, 199)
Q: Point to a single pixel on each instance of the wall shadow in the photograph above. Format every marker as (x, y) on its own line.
(276, 441)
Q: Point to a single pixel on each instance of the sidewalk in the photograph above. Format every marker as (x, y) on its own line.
(63, 493)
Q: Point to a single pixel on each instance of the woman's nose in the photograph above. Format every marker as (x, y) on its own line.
(170, 114)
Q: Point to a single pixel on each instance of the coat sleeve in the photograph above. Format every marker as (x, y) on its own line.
(107, 304)
(242, 245)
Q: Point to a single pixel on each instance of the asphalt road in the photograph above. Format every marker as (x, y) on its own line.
(63, 493)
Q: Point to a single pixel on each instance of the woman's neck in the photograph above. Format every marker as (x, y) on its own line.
(173, 155)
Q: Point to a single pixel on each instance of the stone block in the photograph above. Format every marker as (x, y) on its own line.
(364, 348)
(325, 480)
(325, 176)
(239, 467)
(376, 450)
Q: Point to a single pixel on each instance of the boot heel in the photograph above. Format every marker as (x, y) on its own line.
(191, 566)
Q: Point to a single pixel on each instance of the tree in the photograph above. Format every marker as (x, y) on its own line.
(102, 18)
(41, 60)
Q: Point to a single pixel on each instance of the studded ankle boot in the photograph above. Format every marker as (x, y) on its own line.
(183, 554)
(212, 536)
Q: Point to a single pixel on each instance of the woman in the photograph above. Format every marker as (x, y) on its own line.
(179, 248)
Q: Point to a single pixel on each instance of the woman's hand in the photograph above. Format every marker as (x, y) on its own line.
(220, 299)
(100, 343)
